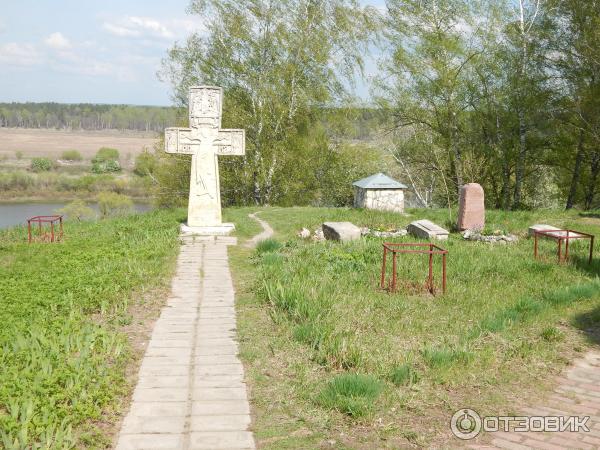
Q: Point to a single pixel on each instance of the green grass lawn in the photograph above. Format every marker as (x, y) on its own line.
(336, 362)
(63, 308)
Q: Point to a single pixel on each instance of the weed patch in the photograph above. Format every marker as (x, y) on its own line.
(351, 394)
(268, 246)
(403, 375)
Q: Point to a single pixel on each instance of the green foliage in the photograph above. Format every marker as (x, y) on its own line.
(403, 375)
(268, 246)
(106, 166)
(41, 164)
(106, 154)
(106, 161)
(552, 334)
(78, 210)
(51, 184)
(112, 204)
(273, 82)
(470, 97)
(443, 356)
(71, 155)
(145, 164)
(63, 358)
(351, 394)
(19, 155)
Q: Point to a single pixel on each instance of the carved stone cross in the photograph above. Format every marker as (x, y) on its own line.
(204, 140)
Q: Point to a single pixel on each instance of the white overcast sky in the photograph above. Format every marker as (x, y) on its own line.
(93, 51)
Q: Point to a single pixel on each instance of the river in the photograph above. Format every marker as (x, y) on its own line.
(12, 214)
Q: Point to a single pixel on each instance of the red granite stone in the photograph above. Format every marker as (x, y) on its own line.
(471, 209)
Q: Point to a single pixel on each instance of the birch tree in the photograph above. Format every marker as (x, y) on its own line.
(279, 61)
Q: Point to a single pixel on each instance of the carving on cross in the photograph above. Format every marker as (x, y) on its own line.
(205, 139)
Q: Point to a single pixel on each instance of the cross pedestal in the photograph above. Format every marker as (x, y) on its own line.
(205, 140)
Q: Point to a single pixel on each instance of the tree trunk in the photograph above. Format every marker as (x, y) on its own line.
(595, 171)
(576, 173)
(520, 171)
(458, 166)
(505, 183)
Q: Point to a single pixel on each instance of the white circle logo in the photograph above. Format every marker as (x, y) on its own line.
(465, 424)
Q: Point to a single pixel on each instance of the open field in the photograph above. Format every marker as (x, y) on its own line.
(335, 362)
(51, 143)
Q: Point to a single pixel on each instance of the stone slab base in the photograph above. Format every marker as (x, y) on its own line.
(221, 230)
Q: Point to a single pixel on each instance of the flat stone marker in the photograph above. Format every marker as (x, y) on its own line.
(544, 227)
(204, 140)
(427, 230)
(471, 208)
(341, 231)
(191, 393)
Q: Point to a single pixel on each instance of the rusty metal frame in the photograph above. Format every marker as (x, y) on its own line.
(45, 220)
(431, 251)
(555, 234)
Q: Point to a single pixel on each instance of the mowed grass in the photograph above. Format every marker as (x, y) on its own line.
(63, 357)
(335, 361)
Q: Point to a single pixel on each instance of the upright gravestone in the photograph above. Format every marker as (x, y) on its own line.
(471, 207)
(205, 140)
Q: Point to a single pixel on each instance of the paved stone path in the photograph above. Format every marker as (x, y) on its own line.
(577, 394)
(265, 234)
(191, 392)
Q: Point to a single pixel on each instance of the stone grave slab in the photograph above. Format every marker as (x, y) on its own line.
(427, 230)
(341, 231)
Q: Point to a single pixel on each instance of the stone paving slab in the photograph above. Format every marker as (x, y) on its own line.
(191, 392)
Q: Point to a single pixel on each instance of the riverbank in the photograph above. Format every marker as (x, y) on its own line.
(21, 185)
(14, 214)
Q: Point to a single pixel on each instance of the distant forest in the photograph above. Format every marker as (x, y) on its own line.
(341, 123)
(85, 116)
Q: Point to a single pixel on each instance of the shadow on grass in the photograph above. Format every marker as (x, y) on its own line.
(589, 323)
(590, 215)
(582, 263)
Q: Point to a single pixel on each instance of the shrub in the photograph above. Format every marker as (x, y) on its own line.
(41, 164)
(78, 209)
(106, 154)
(19, 180)
(113, 204)
(106, 166)
(351, 394)
(106, 160)
(71, 155)
(19, 154)
(145, 164)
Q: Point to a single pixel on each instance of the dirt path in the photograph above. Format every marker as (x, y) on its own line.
(265, 234)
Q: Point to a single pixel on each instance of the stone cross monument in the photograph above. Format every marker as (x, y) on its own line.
(204, 140)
